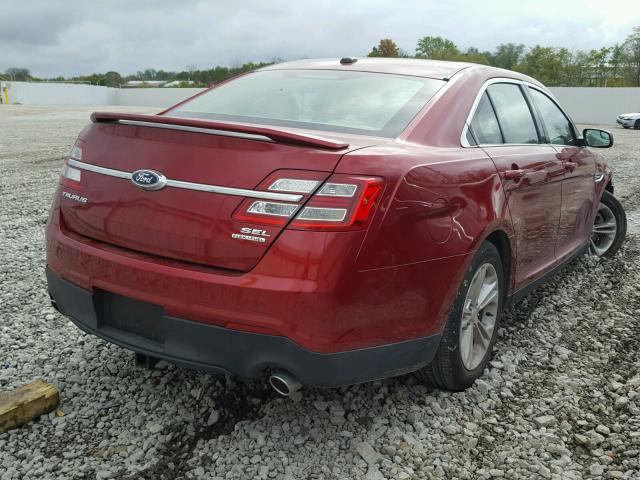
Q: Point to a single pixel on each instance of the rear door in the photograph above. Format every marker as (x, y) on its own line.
(531, 173)
(578, 187)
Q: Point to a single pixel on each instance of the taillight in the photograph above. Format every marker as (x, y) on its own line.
(278, 212)
(342, 202)
(71, 176)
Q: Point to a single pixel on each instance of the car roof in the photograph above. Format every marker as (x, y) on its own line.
(438, 69)
(401, 66)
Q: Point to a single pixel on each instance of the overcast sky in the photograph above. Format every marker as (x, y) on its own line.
(78, 37)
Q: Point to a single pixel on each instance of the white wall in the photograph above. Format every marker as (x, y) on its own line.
(29, 93)
(37, 93)
(597, 105)
(584, 104)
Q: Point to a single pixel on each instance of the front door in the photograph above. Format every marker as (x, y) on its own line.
(578, 187)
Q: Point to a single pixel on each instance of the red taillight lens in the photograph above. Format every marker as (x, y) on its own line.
(344, 202)
(70, 176)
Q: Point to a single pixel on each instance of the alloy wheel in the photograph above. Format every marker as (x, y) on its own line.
(604, 231)
(479, 316)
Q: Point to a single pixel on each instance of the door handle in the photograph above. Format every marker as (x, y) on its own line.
(570, 166)
(513, 174)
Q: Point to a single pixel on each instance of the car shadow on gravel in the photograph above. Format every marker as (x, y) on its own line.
(242, 402)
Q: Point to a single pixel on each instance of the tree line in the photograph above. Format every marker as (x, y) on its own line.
(614, 66)
(190, 77)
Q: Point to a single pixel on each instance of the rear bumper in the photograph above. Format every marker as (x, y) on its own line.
(216, 349)
(306, 288)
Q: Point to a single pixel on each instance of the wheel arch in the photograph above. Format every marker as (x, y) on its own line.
(609, 187)
(500, 240)
(504, 243)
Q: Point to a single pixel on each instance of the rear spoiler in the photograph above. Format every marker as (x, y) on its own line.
(275, 134)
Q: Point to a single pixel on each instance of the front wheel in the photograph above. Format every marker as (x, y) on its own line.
(609, 227)
(468, 338)
(637, 125)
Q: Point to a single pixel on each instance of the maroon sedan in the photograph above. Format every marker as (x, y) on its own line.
(327, 222)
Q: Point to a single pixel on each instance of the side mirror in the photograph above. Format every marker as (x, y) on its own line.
(596, 138)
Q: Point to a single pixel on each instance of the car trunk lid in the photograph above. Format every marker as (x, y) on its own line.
(191, 218)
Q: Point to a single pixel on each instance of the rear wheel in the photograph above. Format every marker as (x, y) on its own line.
(637, 125)
(609, 227)
(468, 338)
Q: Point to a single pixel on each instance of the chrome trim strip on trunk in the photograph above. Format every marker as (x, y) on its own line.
(240, 192)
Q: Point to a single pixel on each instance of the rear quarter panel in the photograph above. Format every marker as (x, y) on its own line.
(437, 203)
(437, 206)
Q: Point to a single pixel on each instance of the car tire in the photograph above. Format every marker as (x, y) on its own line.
(449, 370)
(636, 126)
(609, 227)
(625, 127)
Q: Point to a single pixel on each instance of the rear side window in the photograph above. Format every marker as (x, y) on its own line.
(513, 113)
(484, 126)
(558, 126)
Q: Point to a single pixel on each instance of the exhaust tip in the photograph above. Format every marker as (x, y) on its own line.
(284, 384)
(279, 385)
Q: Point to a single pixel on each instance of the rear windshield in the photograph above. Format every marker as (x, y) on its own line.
(349, 102)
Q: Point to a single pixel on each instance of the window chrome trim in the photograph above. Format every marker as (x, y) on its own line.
(201, 187)
(523, 83)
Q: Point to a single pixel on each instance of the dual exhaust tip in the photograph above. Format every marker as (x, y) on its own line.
(284, 383)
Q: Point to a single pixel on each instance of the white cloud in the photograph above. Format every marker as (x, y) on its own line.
(85, 37)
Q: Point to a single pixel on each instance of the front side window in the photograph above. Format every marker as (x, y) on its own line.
(329, 100)
(513, 113)
(484, 126)
(558, 126)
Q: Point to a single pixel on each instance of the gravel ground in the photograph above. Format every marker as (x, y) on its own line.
(561, 398)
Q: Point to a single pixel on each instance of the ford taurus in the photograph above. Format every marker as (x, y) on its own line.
(328, 222)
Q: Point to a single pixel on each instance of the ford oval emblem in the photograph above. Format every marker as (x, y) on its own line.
(148, 179)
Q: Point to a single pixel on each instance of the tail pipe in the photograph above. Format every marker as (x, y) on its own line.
(284, 383)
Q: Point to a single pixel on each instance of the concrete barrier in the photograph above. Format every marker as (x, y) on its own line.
(41, 93)
(584, 104)
(597, 105)
(36, 93)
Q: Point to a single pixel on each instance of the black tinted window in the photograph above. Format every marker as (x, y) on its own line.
(557, 125)
(484, 126)
(513, 113)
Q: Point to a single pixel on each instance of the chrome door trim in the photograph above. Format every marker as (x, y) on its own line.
(201, 187)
